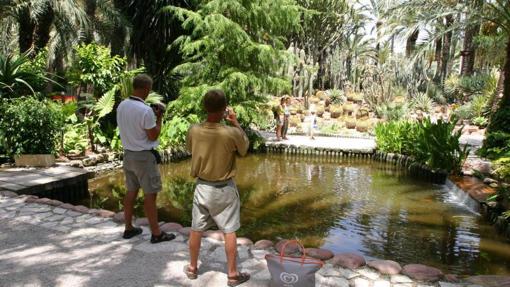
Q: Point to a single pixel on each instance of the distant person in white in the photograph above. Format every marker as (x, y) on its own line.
(139, 127)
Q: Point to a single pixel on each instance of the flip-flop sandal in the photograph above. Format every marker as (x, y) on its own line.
(130, 233)
(238, 280)
(191, 275)
(162, 237)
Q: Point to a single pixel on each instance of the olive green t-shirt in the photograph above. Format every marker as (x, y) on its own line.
(213, 148)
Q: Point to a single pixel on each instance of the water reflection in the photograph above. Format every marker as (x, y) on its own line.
(342, 205)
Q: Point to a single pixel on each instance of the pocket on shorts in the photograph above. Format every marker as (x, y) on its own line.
(155, 182)
(230, 193)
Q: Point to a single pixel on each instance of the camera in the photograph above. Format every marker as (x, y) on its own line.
(158, 108)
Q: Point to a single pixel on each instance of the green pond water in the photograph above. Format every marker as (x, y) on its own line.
(344, 205)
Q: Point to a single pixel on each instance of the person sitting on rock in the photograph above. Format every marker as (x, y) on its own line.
(213, 148)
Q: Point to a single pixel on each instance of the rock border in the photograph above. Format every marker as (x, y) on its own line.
(344, 269)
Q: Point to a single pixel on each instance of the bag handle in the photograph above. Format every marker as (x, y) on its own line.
(282, 252)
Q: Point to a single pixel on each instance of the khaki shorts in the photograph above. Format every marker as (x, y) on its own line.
(141, 170)
(216, 204)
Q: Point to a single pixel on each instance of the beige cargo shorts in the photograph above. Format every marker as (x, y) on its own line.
(141, 170)
(216, 204)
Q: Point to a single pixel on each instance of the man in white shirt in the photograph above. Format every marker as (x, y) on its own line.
(139, 127)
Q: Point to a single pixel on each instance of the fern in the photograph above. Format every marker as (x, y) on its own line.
(105, 104)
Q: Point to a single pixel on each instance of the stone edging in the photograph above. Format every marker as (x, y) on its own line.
(344, 269)
(415, 169)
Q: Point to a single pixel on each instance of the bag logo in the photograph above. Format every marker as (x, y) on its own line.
(289, 278)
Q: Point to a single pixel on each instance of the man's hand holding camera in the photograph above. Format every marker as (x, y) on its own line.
(159, 109)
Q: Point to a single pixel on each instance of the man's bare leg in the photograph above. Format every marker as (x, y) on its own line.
(151, 212)
(231, 251)
(129, 206)
(195, 239)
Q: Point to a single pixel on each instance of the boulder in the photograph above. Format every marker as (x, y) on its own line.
(143, 221)
(243, 241)
(422, 272)
(80, 208)
(67, 206)
(387, 267)
(290, 249)
(185, 231)
(171, 227)
(263, 244)
(319, 253)
(31, 199)
(105, 213)
(451, 278)
(215, 234)
(119, 217)
(348, 260)
(43, 200)
(490, 280)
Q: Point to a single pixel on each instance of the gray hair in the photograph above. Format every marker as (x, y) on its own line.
(142, 81)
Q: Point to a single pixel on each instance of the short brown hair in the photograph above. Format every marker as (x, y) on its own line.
(215, 101)
(142, 81)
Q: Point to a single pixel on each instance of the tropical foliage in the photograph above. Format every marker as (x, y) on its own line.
(29, 126)
(237, 46)
(435, 144)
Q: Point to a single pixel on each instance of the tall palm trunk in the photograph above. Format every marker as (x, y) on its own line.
(43, 28)
(90, 10)
(437, 58)
(447, 41)
(118, 39)
(411, 43)
(505, 101)
(26, 30)
(469, 50)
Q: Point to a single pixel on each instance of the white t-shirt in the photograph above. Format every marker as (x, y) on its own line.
(133, 118)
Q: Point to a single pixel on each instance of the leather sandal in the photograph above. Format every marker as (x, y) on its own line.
(162, 237)
(238, 279)
(191, 275)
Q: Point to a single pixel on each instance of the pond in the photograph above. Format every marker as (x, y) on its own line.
(345, 205)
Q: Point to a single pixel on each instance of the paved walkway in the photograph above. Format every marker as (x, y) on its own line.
(365, 145)
(48, 245)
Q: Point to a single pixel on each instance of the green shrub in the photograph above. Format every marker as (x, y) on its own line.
(435, 93)
(434, 144)
(478, 105)
(30, 126)
(500, 120)
(465, 112)
(396, 136)
(480, 121)
(496, 144)
(173, 132)
(422, 102)
(21, 75)
(502, 168)
(337, 96)
(438, 145)
(465, 88)
(392, 111)
(93, 65)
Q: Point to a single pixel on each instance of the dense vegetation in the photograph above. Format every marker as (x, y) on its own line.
(397, 58)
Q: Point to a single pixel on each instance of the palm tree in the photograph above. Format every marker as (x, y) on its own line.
(469, 50)
(36, 20)
(150, 32)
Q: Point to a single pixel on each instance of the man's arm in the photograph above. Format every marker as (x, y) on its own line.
(153, 133)
(241, 141)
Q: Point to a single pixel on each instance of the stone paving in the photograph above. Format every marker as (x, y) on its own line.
(365, 145)
(47, 243)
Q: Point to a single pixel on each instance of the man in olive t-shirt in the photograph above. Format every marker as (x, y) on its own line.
(214, 147)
